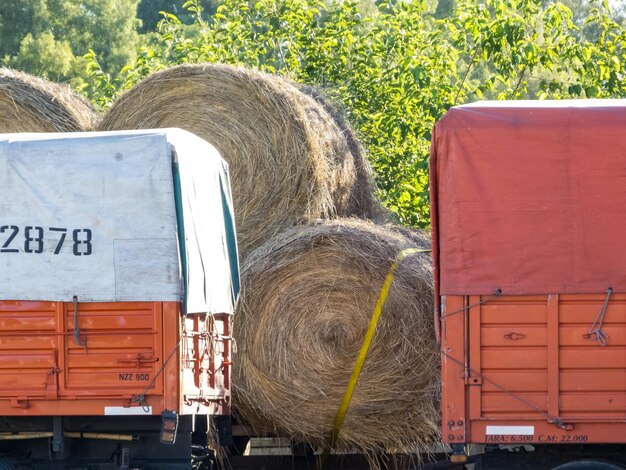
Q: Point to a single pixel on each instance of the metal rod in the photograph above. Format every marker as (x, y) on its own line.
(72, 435)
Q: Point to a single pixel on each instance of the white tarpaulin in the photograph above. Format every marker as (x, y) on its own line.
(104, 216)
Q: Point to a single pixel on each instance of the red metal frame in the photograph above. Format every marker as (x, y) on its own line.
(206, 364)
(523, 369)
(132, 348)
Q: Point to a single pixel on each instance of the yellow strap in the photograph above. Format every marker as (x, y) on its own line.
(367, 341)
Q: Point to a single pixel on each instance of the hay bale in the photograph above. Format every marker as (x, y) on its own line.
(363, 203)
(308, 296)
(289, 161)
(32, 104)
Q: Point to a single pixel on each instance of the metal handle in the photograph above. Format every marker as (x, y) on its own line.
(77, 337)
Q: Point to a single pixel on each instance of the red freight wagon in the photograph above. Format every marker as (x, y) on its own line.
(529, 223)
(118, 279)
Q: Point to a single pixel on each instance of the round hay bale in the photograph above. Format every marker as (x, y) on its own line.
(363, 203)
(308, 296)
(32, 104)
(289, 161)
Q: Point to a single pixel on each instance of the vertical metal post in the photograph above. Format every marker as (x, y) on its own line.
(57, 435)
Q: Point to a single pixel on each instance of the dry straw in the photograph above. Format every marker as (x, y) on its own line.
(363, 203)
(308, 296)
(289, 161)
(32, 104)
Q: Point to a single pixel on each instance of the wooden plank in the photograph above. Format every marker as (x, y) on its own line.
(584, 308)
(27, 360)
(609, 402)
(131, 321)
(27, 306)
(510, 313)
(25, 322)
(515, 358)
(105, 308)
(578, 335)
(26, 343)
(516, 381)
(520, 403)
(580, 299)
(25, 382)
(593, 357)
(611, 380)
(127, 360)
(119, 340)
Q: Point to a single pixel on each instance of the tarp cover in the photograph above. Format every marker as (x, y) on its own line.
(105, 216)
(530, 197)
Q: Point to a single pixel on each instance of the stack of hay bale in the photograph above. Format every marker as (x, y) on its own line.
(288, 160)
(309, 287)
(312, 264)
(309, 294)
(32, 104)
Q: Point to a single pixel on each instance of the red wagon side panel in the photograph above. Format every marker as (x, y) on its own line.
(528, 215)
(526, 369)
(124, 358)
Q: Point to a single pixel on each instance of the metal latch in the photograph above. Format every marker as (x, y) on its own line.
(81, 341)
(139, 360)
(515, 336)
(473, 380)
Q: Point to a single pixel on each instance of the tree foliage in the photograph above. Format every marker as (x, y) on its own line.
(33, 32)
(395, 67)
(149, 12)
(44, 56)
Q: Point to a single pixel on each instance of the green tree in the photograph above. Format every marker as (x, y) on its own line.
(396, 67)
(17, 19)
(150, 12)
(444, 8)
(44, 56)
(33, 31)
